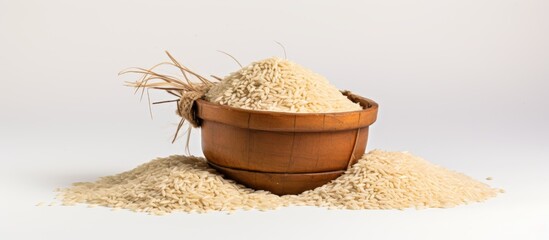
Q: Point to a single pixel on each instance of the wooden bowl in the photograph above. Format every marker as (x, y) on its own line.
(284, 153)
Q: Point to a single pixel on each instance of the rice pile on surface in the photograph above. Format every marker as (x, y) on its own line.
(380, 180)
(279, 85)
(397, 180)
(175, 183)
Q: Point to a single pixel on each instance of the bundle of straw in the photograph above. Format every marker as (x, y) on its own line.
(185, 90)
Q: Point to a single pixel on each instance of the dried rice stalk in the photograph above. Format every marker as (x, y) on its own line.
(186, 91)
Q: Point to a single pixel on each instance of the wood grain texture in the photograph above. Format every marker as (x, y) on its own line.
(279, 183)
(289, 122)
(283, 144)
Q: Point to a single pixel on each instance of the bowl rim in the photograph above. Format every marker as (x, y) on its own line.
(372, 106)
(288, 121)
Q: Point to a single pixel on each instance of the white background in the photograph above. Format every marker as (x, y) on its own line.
(463, 84)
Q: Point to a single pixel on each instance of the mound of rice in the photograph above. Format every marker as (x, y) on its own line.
(279, 85)
(380, 180)
(183, 183)
(397, 180)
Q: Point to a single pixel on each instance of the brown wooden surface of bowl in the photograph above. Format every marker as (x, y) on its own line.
(279, 183)
(283, 143)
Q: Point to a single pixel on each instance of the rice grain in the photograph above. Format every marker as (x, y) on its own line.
(379, 180)
(280, 85)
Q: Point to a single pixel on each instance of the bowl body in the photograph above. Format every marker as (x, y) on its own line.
(285, 153)
(279, 183)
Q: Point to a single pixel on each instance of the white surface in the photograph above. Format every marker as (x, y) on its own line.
(463, 84)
